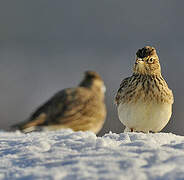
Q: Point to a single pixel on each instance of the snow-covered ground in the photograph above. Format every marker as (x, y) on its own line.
(81, 155)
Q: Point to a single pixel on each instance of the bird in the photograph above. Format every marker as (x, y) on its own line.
(144, 100)
(81, 108)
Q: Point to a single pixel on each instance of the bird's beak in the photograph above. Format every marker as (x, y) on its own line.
(139, 60)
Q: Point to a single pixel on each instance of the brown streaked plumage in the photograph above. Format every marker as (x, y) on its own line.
(144, 100)
(81, 108)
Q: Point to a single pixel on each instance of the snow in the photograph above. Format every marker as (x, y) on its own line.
(72, 155)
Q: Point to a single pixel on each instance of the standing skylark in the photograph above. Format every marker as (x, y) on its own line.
(144, 101)
(81, 108)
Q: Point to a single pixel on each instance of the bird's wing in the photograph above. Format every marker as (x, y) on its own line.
(123, 85)
(73, 104)
(66, 106)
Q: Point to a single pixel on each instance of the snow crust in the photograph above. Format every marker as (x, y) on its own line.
(72, 155)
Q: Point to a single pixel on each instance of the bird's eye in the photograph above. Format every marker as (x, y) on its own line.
(151, 60)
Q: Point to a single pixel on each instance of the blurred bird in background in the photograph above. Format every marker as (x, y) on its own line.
(144, 101)
(80, 109)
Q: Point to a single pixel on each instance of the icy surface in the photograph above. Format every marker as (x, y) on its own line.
(81, 155)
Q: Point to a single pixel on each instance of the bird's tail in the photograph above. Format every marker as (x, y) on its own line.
(30, 124)
(18, 126)
(24, 128)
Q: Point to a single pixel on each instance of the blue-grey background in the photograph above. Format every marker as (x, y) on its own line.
(46, 45)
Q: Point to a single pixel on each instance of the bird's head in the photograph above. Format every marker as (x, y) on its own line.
(147, 62)
(93, 81)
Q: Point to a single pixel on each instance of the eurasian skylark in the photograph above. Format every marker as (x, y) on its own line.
(144, 101)
(81, 108)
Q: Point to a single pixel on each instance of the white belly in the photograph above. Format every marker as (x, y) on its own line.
(145, 117)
